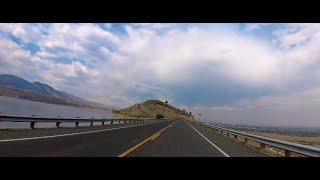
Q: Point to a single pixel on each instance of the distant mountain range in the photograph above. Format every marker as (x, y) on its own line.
(14, 86)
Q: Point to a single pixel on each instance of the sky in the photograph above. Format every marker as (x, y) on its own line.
(255, 73)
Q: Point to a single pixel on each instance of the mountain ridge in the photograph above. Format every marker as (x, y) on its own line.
(14, 86)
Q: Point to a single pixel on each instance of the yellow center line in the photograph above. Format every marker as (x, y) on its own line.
(146, 140)
(155, 136)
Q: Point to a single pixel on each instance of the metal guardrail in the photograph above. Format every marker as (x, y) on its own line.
(59, 120)
(287, 146)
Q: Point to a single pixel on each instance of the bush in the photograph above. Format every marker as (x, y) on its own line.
(159, 116)
(115, 111)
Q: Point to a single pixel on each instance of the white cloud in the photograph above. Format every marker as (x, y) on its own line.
(20, 62)
(15, 60)
(108, 25)
(255, 26)
(226, 108)
(27, 32)
(296, 34)
(79, 41)
(184, 52)
(153, 26)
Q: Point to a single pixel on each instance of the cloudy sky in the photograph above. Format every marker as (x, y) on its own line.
(264, 74)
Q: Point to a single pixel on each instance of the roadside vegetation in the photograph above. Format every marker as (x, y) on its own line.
(273, 151)
(159, 116)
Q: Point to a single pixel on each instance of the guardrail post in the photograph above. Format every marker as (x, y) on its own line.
(91, 123)
(245, 140)
(102, 123)
(287, 153)
(111, 122)
(262, 146)
(77, 124)
(32, 125)
(57, 124)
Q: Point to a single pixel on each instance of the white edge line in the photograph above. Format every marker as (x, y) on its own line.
(225, 154)
(72, 134)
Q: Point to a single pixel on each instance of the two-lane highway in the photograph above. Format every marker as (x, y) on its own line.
(191, 140)
(163, 138)
(179, 140)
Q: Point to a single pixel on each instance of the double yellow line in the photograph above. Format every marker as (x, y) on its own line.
(146, 140)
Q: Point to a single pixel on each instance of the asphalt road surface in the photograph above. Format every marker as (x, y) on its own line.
(170, 138)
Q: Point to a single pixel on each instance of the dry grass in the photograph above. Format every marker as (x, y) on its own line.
(310, 141)
(273, 151)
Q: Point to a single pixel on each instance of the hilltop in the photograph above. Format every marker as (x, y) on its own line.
(150, 108)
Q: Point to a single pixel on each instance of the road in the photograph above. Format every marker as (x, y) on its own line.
(172, 138)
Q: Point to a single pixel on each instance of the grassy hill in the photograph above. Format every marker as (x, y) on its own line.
(150, 109)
